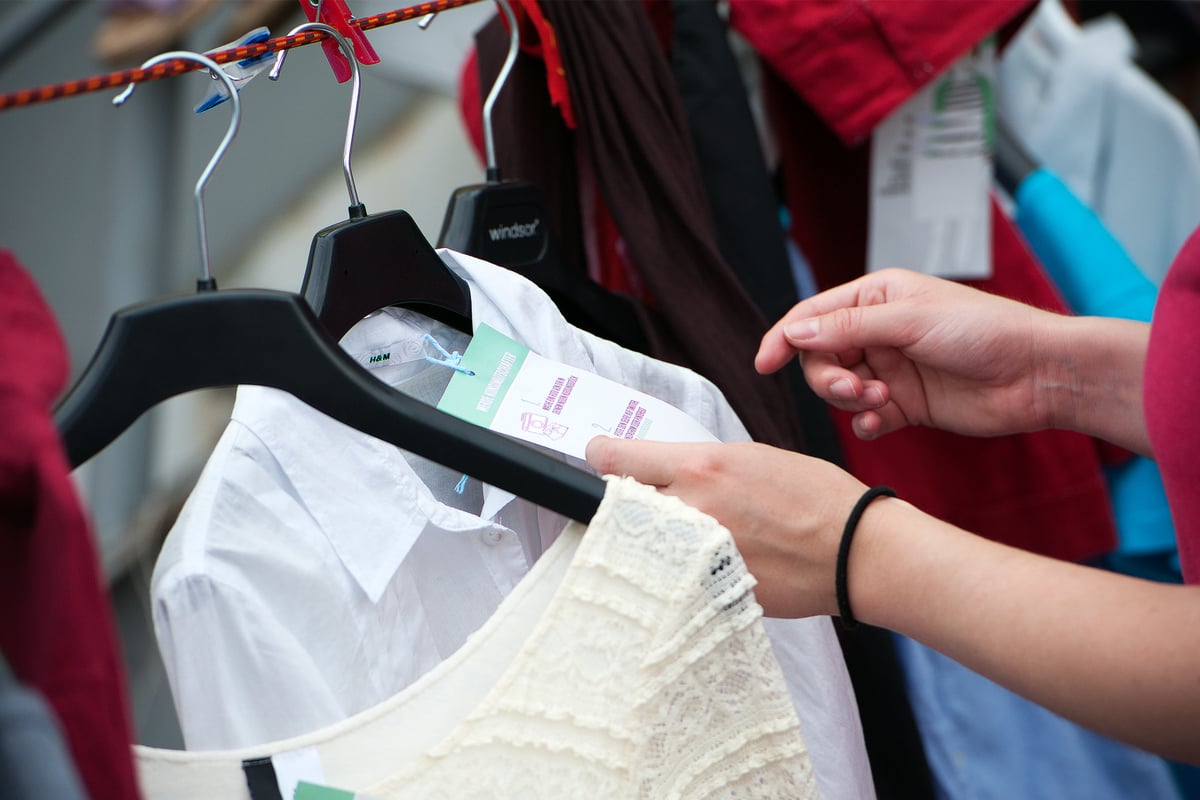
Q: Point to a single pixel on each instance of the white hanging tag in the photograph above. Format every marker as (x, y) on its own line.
(931, 175)
(504, 386)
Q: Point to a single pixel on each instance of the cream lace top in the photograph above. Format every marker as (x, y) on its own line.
(645, 673)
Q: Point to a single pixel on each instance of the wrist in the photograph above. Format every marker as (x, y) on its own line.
(878, 572)
(1056, 371)
(1089, 377)
(841, 587)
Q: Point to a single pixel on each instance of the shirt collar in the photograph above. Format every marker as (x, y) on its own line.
(323, 460)
(360, 491)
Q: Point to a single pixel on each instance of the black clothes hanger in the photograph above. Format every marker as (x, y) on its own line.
(374, 260)
(272, 338)
(506, 223)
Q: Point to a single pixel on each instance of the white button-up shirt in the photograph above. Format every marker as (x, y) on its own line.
(315, 571)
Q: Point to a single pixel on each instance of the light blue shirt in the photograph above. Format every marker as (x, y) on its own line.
(985, 743)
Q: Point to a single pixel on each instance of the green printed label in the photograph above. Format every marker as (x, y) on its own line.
(495, 361)
(313, 791)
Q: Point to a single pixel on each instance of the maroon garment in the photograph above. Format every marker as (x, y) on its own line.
(1044, 491)
(1172, 382)
(56, 629)
(855, 61)
(632, 131)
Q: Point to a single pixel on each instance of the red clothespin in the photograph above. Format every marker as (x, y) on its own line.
(337, 14)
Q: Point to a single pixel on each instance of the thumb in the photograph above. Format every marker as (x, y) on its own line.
(651, 463)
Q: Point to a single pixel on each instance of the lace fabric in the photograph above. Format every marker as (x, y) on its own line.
(630, 662)
(648, 676)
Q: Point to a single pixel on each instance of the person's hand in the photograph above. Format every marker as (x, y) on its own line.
(900, 348)
(785, 511)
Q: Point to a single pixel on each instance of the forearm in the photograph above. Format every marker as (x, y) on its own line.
(1116, 654)
(1089, 372)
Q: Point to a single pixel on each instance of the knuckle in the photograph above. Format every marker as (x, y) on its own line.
(701, 467)
(875, 295)
(846, 320)
(816, 371)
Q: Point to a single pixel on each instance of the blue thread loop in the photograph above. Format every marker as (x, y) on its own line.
(451, 360)
(461, 486)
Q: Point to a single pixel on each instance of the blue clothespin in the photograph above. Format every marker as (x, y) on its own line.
(240, 71)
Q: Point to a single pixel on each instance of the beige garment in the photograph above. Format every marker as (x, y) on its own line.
(630, 662)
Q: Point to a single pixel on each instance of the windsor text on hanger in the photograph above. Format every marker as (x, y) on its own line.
(507, 223)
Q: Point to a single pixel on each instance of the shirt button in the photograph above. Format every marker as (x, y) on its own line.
(493, 537)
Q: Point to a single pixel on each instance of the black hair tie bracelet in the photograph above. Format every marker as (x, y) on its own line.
(843, 556)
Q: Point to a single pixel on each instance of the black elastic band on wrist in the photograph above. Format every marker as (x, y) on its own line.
(843, 556)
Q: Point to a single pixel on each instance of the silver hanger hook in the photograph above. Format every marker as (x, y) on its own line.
(355, 93)
(230, 132)
(514, 45)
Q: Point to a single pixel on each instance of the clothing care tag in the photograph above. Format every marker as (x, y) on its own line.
(931, 173)
(519, 393)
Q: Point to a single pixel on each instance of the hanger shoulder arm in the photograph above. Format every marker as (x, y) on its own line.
(156, 351)
(366, 263)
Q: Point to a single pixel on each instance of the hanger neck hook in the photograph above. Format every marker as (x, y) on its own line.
(356, 206)
(206, 280)
(514, 44)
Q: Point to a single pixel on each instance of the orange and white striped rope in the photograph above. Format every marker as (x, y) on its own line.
(167, 69)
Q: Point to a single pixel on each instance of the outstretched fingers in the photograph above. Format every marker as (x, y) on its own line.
(776, 348)
(843, 320)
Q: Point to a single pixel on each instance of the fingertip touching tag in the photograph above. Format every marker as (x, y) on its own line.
(337, 14)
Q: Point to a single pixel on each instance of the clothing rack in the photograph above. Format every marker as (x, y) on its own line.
(169, 69)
